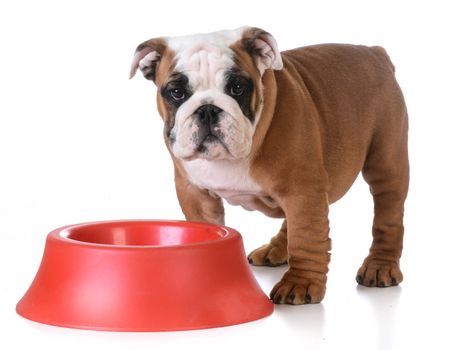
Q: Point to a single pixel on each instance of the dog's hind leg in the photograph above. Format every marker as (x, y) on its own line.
(273, 253)
(386, 170)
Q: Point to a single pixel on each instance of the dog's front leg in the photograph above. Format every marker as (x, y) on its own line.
(308, 250)
(196, 203)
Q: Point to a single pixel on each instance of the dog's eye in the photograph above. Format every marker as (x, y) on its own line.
(237, 89)
(177, 94)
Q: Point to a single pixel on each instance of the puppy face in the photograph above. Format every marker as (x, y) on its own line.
(210, 92)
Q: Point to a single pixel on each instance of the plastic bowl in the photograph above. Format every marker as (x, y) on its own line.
(144, 276)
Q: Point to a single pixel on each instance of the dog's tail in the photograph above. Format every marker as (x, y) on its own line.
(383, 55)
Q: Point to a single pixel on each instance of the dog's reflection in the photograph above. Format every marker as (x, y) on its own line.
(383, 303)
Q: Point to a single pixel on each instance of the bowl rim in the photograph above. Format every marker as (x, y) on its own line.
(61, 234)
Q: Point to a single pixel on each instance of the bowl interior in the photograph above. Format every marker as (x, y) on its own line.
(144, 233)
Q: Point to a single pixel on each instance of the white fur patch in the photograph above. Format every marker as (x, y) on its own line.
(226, 178)
(230, 180)
(220, 39)
(221, 175)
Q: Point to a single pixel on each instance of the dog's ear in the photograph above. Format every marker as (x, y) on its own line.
(263, 48)
(147, 57)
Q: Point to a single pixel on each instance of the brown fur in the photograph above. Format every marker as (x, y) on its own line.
(332, 112)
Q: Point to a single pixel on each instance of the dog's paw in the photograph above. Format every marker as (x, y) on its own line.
(268, 255)
(379, 273)
(298, 293)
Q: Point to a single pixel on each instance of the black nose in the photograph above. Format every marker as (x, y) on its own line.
(208, 114)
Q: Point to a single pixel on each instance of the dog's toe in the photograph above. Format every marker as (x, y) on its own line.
(378, 273)
(286, 292)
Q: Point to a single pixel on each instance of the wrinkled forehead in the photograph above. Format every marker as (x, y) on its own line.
(206, 55)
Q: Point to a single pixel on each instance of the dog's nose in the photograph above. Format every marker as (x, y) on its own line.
(208, 114)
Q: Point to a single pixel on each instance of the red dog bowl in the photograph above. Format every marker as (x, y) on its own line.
(144, 276)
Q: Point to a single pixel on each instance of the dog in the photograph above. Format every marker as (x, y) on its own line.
(285, 133)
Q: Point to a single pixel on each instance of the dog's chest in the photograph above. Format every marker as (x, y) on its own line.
(231, 181)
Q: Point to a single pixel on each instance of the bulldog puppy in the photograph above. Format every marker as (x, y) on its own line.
(285, 133)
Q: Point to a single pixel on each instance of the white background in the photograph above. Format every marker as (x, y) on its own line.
(80, 142)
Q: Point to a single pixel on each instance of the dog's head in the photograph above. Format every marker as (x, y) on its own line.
(210, 91)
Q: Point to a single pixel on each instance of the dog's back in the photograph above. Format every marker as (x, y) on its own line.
(357, 99)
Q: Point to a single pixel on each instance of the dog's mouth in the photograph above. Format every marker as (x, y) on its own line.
(211, 146)
(208, 139)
